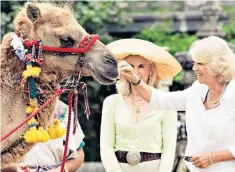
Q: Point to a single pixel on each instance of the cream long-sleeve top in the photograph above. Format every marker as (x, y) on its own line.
(155, 133)
(208, 130)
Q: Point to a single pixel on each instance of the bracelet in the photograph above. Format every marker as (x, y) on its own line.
(136, 83)
(210, 158)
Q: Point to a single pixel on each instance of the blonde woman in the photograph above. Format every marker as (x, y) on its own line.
(209, 104)
(133, 137)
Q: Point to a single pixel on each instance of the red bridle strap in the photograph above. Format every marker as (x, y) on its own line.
(83, 47)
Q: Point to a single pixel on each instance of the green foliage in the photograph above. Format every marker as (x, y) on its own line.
(159, 7)
(94, 17)
(8, 12)
(229, 9)
(179, 76)
(162, 36)
(230, 32)
(229, 27)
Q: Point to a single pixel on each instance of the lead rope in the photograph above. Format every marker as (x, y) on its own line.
(70, 95)
(58, 92)
(75, 111)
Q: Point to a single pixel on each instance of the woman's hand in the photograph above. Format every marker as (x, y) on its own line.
(201, 160)
(127, 72)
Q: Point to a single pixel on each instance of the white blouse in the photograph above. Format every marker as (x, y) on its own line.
(208, 130)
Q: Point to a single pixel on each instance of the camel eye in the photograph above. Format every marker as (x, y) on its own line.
(66, 42)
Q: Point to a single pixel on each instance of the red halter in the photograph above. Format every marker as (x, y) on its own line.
(83, 47)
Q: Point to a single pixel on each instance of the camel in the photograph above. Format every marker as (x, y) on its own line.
(54, 26)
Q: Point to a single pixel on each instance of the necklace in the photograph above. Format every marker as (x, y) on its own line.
(137, 103)
(214, 104)
(137, 100)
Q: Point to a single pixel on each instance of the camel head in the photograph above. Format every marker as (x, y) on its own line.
(58, 28)
(55, 27)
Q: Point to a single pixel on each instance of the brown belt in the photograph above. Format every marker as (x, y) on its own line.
(144, 156)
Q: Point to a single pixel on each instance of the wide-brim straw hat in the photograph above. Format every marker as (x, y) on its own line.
(166, 65)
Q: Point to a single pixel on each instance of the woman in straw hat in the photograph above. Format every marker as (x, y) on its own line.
(209, 104)
(133, 137)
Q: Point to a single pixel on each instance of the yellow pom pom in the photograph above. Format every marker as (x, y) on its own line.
(29, 135)
(31, 71)
(38, 136)
(45, 135)
(56, 131)
(33, 103)
(32, 121)
(59, 131)
(35, 72)
(51, 132)
(29, 109)
(32, 135)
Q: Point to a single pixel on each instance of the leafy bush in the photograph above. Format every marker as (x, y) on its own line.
(8, 12)
(162, 35)
(230, 32)
(94, 17)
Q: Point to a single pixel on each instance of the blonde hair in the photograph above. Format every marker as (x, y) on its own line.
(124, 87)
(216, 53)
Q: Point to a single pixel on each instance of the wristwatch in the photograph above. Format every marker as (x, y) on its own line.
(136, 82)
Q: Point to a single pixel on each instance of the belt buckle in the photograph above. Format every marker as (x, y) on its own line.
(133, 158)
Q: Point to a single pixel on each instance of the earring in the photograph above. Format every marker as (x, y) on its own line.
(149, 78)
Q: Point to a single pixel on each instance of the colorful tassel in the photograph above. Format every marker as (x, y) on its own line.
(32, 60)
(56, 131)
(32, 135)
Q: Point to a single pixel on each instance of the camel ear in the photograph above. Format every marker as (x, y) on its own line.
(33, 12)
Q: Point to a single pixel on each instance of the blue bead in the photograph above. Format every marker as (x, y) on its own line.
(33, 92)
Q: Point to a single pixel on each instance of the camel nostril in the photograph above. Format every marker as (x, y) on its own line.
(110, 60)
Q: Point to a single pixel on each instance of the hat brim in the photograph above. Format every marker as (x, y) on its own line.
(166, 65)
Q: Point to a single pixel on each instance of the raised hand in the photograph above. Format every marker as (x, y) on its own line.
(127, 72)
